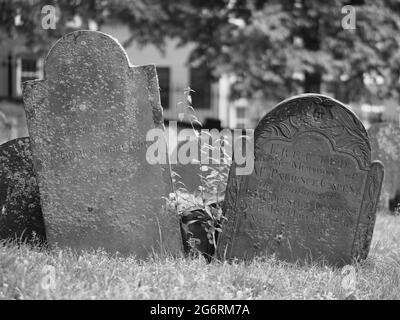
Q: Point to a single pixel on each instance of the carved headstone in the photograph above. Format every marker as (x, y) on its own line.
(313, 192)
(88, 120)
(21, 214)
(385, 147)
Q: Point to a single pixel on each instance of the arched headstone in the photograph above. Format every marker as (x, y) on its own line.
(88, 120)
(313, 192)
(20, 211)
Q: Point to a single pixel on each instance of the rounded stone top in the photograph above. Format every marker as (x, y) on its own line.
(318, 108)
(317, 113)
(313, 99)
(78, 51)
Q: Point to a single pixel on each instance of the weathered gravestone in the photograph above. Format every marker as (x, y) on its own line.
(21, 214)
(385, 146)
(313, 192)
(88, 120)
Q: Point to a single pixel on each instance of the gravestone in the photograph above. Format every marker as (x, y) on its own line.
(21, 214)
(385, 147)
(88, 121)
(313, 192)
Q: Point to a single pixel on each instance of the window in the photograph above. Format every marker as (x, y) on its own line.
(28, 69)
(163, 81)
(200, 82)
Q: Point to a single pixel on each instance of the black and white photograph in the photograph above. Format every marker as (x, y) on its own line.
(199, 155)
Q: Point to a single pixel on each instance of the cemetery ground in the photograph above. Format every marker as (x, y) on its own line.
(95, 275)
(313, 181)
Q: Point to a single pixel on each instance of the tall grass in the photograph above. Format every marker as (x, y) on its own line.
(97, 275)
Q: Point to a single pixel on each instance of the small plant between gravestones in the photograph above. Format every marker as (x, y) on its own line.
(200, 210)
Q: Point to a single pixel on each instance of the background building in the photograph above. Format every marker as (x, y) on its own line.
(211, 97)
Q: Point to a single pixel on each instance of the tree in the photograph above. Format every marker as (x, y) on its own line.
(22, 19)
(273, 48)
(280, 48)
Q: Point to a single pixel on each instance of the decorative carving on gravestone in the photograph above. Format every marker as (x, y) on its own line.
(21, 214)
(313, 192)
(385, 147)
(88, 120)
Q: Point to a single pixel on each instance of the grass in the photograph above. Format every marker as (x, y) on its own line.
(95, 275)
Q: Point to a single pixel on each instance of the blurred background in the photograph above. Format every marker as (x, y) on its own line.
(240, 57)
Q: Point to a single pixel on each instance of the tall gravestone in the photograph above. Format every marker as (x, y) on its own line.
(313, 192)
(21, 214)
(88, 121)
(385, 146)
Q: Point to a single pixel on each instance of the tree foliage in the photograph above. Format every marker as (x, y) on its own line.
(278, 48)
(139, 13)
(272, 48)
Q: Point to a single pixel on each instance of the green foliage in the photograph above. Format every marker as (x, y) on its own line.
(210, 194)
(263, 43)
(140, 14)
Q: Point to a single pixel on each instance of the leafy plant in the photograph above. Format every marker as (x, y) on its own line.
(204, 206)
